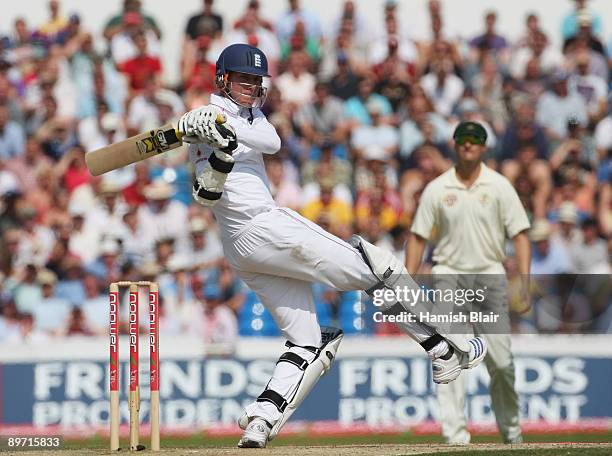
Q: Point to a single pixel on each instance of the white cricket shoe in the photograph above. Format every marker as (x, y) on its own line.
(256, 434)
(447, 370)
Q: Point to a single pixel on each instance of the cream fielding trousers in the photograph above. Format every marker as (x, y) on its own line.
(499, 360)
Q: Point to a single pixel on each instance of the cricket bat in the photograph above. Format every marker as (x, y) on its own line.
(136, 148)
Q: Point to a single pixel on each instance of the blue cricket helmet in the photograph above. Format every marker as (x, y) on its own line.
(246, 59)
(242, 58)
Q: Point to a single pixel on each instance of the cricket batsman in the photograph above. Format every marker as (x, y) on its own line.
(473, 209)
(279, 254)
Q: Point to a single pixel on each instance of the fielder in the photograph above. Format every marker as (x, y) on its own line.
(279, 253)
(473, 208)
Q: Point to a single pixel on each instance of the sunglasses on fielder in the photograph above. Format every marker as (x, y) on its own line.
(461, 140)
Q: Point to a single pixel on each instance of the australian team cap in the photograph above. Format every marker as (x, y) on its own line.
(473, 129)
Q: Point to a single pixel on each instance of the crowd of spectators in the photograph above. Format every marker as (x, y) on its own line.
(365, 113)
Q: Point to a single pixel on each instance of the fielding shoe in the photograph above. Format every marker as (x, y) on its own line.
(447, 370)
(256, 434)
(517, 440)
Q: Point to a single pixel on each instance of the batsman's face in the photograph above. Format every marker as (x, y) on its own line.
(246, 89)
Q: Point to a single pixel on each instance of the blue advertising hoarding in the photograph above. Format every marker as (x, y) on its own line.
(377, 390)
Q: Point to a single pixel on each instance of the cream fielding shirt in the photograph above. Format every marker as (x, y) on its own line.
(472, 223)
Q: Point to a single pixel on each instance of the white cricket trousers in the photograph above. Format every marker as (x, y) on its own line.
(279, 255)
(500, 365)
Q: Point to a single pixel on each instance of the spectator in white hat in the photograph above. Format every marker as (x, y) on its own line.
(107, 268)
(548, 257)
(379, 133)
(204, 250)
(571, 22)
(108, 213)
(163, 216)
(145, 110)
(567, 234)
(101, 130)
(50, 313)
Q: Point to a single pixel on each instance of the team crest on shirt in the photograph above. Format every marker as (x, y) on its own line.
(484, 199)
(449, 200)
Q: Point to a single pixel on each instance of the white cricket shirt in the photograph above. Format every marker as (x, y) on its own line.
(247, 190)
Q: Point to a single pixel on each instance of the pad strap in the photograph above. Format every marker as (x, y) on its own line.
(219, 165)
(273, 397)
(431, 342)
(292, 358)
(312, 349)
(206, 194)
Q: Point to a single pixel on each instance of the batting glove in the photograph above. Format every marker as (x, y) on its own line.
(187, 126)
(202, 125)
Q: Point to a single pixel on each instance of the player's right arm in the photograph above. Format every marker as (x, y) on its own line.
(422, 225)
(414, 253)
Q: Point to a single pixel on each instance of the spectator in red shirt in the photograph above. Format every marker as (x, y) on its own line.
(133, 193)
(72, 168)
(142, 67)
(198, 72)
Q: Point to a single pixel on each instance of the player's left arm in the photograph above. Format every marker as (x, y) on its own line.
(522, 252)
(420, 231)
(516, 224)
(210, 174)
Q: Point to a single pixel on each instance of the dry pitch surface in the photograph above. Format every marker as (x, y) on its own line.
(359, 450)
